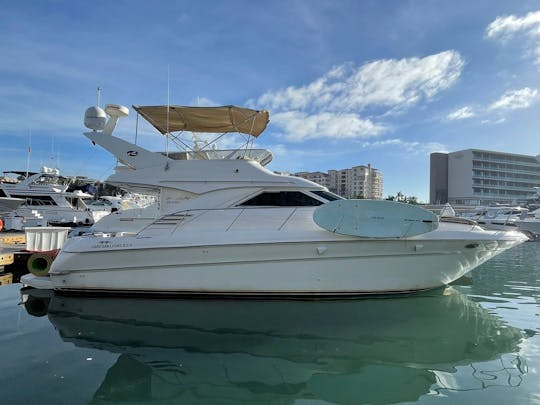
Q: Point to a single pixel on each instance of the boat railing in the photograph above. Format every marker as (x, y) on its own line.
(458, 220)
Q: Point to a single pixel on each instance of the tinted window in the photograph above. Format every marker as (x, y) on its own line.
(36, 199)
(327, 196)
(283, 199)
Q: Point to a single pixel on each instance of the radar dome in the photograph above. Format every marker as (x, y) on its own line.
(95, 118)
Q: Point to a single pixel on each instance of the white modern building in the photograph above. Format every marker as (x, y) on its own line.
(481, 177)
(356, 182)
(318, 177)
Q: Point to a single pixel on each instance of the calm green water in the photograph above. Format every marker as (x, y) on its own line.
(476, 342)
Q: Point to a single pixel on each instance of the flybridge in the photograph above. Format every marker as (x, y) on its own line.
(170, 119)
(223, 169)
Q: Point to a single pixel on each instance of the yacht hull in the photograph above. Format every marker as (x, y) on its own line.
(333, 268)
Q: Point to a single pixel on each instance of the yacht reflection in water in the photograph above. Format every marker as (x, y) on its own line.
(380, 350)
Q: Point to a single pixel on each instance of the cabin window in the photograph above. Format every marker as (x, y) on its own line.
(2, 194)
(327, 195)
(36, 199)
(282, 199)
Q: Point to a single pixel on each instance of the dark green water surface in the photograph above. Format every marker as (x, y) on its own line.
(472, 343)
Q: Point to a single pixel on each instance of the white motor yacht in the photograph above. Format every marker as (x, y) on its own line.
(227, 225)
(46, 200)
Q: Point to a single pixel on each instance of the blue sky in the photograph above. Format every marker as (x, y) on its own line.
(346, 82)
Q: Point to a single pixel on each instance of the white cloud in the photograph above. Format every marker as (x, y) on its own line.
(411, 148)
(493, 122)
(528, 27)
(330, 106)
(492, 114)
(203, 102)
(387, 83)
(299, 126)
(515, 99)
(509, 25)
(461, 114)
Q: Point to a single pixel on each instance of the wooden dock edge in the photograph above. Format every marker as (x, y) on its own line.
(19, 239)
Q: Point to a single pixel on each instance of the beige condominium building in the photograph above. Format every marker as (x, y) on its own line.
(356, 182)
(482, 177)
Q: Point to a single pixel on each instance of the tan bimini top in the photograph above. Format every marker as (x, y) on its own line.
(205, 119)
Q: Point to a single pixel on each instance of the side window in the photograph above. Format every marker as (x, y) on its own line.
(282, 199)
(327, 196)
(36, 200)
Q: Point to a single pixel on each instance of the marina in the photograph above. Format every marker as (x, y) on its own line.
(307, 202)
(474, 342)
(237, 284)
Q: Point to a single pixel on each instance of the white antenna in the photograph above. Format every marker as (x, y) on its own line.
(52, 147)
(98, 96)
(29, 152)
(168, 108)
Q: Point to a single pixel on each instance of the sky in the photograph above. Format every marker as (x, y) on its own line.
(346, 83)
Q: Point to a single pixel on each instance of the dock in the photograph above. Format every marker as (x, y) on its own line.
(10, 246)
(31, 251)
(12, 239)
(5, 259)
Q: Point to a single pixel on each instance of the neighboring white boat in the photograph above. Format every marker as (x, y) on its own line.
(103, 206)
(530, 223)
(47, 201)
(499, 217)
(230, 226)
(107, 204)
(119, 203)
(510, 218)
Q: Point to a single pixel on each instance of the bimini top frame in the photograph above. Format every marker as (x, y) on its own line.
(223, 119)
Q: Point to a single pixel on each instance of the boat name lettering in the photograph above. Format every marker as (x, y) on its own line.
(173, 202)
(108, 245)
